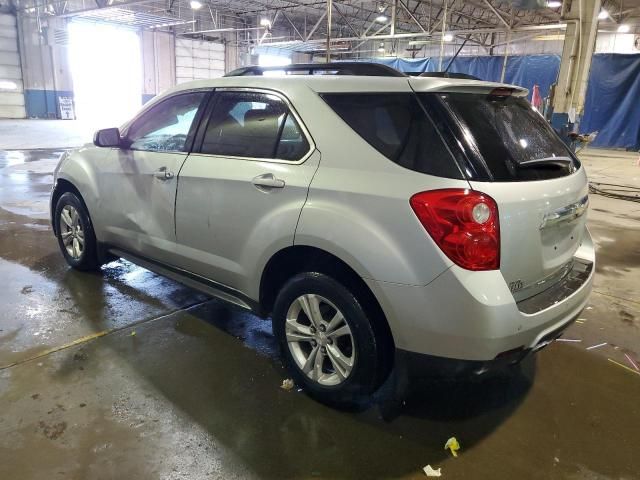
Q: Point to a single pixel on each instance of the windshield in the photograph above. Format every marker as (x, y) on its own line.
(513, 141)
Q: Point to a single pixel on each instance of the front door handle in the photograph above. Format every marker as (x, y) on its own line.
(163, 174)
(268, 180)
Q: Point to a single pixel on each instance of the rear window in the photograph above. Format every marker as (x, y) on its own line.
(396, 125)
(514, 142)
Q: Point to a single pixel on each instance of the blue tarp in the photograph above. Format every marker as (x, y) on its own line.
(612, 104)
(523, 70)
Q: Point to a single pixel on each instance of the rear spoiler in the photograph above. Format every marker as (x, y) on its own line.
(454, 85)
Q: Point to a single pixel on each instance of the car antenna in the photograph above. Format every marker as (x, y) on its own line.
(456, 55)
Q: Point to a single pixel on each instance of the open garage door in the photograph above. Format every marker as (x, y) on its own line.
(11, 88)
(106, 67)
(198, 59)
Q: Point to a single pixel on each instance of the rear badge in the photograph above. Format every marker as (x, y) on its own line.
(516, 286)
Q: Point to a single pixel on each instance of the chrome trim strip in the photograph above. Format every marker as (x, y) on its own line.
(566, 214)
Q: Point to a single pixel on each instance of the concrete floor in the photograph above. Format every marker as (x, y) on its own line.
(45, 133)
(125, 374)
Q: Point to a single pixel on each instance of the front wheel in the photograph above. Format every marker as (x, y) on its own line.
(327, 340)
(76, 238)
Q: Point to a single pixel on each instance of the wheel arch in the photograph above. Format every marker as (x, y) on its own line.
(61, 187)
(295, 259)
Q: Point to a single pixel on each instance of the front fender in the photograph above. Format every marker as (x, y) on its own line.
(78, 169)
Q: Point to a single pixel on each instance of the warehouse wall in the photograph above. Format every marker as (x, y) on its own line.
(522, 44)
(45, 65)
(11, 85)
(158, 63)
(617, 43)
(198, 59)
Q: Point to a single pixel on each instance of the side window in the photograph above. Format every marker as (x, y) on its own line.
(293, 144)
(396, 126)
(164, 128)
(254, 125)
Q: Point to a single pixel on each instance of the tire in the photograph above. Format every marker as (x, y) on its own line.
(81, 253)
(363, 347)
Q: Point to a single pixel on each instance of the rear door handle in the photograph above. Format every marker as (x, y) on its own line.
(163, 174)
(268, 180)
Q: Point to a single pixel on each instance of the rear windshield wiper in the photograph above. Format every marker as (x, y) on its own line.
(559, 161)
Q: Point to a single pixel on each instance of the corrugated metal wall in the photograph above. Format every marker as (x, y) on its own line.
(11, 86)
(158, 62)
(196, 59)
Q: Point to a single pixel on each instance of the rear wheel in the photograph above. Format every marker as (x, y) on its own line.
(76, 238)
(327, 340)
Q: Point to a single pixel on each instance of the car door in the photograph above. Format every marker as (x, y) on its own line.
(241, 191)
(137, 182)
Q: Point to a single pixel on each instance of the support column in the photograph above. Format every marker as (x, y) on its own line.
(329, 8)
(579, 43)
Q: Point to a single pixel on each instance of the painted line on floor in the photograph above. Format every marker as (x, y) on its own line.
(94, 336)
(615, 296)
(624, 366)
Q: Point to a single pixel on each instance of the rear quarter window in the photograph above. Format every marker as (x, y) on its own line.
(398, 127)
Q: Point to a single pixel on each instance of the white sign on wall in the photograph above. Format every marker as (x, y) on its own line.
(66, 108)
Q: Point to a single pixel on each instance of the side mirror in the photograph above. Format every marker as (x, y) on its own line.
(107, 137)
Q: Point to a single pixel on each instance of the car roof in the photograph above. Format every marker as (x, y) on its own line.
(350, 84)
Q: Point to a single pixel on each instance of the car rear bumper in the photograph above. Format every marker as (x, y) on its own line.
(472, 316)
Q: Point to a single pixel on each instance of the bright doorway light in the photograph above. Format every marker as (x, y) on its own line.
(106, 68)
(265, 60)
(273, 60)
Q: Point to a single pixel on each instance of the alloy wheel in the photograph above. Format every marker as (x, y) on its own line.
(320, 340)
(71, 232)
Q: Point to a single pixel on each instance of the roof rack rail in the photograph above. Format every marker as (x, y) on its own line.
(465, 76)
(333, 68)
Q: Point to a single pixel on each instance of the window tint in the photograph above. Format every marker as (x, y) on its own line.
(396, 125)
(511, 137)
(293, 144)
(254, 125)
(164, 128)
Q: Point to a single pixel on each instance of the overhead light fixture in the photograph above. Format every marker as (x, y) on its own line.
(550, 37)
(381, 18)
(195, 4)
(603, 14)
(421, 42)
(447, 37)
(624, 29)
(554, 4)
(265, 22)
(382, 7)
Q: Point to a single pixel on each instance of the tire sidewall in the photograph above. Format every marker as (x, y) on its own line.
(362, 380)
(88, 258)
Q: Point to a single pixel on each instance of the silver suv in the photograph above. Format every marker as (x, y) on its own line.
(379, 219)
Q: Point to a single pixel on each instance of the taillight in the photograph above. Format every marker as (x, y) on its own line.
(463, 223)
